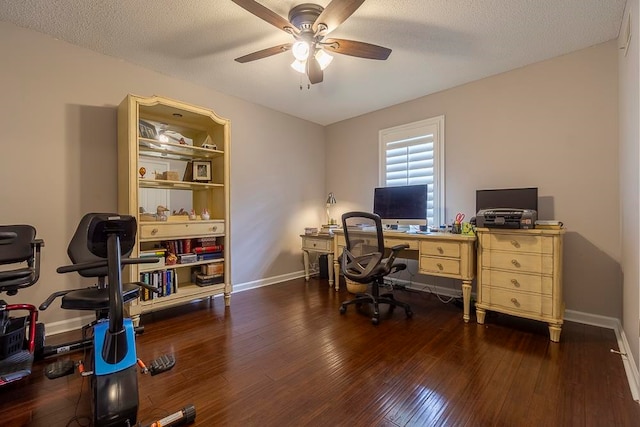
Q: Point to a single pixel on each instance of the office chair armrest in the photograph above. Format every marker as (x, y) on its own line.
(398, 248)
(395, 250)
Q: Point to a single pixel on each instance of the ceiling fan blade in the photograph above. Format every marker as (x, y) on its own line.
(264, 53)
(267, 15)
(354, 48)
(335, 13)
(314, 72)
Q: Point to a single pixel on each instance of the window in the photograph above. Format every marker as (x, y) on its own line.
(414, 154)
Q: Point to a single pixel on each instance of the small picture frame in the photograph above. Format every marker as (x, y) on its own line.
(146, 130)
(201, 171)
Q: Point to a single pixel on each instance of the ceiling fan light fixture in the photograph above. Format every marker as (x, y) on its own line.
(299, 66)
(300, 50)
(323, 58)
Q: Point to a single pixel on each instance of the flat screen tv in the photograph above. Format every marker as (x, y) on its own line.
(514, 198)
(401, 205)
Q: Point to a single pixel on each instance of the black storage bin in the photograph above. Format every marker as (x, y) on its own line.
(323, 266)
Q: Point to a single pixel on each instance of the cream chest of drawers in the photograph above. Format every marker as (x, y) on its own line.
(520, 273)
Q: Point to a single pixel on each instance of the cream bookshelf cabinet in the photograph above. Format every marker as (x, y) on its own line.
(520, 273)
(156, 132)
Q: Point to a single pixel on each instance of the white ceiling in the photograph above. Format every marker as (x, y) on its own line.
(437, 44)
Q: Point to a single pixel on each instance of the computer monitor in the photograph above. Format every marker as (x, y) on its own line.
(514, 198)
(401, 205)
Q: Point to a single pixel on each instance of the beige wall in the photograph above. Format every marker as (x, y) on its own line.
(552, 125)
(630, 181)
(58, 158)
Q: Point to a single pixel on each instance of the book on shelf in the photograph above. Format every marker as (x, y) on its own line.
(165, 281)
(210, 248)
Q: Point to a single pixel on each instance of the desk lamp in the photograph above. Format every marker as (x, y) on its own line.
(331, 200)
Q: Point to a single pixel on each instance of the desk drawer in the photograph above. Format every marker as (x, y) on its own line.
(530, 263)
(446, 249)
(391, 242)
(435, 265)
(309, 243)
(180, 230)
(517, 301)
(514, 242)
(517, 281)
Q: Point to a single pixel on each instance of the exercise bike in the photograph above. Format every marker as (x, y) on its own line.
(100, 247)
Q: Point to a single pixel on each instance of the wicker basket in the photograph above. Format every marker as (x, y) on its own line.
(355, 287)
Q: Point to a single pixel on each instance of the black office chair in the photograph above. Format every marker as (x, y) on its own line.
(363, 261)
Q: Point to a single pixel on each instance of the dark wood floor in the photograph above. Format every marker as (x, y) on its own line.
(284, 356)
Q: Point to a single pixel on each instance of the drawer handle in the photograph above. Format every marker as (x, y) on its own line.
(154, 231)
(440, 266)
(515, 262)
(515, 302)
(440, 250)
(515, 243)
(214, 228)
(314, 245)
(515, 283)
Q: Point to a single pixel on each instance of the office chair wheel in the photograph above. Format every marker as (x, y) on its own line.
(343, 309)
(375, 320)
(409, 313)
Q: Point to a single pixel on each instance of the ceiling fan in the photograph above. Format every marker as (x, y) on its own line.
(309, 24)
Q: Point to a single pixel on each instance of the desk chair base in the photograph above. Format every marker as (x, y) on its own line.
(375, 300)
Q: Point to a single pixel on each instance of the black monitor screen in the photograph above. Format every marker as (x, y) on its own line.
(515, 198)
(407, 202)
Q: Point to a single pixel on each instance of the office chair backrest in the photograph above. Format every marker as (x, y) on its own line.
(363, 232)
(84, 247)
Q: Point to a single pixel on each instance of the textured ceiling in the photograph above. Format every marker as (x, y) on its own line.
(437, 44)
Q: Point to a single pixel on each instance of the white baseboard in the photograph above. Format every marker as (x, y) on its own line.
(630, 366)
(67, 325)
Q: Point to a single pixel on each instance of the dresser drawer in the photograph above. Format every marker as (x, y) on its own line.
(435, 265)
(524, 262)
(535, 304)
(180, 230)
(446, 249)
(514, 242)
(517, 281)
(315, 244)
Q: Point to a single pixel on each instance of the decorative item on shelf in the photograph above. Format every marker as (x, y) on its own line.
(201, 171)
(192, 215)
(174, 137)
(208, 144)
(161, 213)
(146, 130)
(169, 176)
(171, 259)
(142, 171)
(180, 212)
(331, 200)
(205, 214)
(188, 172)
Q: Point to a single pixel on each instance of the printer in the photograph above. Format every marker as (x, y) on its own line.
(506, 218)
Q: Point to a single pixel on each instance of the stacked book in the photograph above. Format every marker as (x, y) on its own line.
(208, 249)
(210, 274)
(165, 281)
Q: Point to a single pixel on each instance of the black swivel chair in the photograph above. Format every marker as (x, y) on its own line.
(363, 261)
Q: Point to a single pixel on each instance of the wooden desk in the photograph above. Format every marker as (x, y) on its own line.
(438, 254)
(319, 243)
